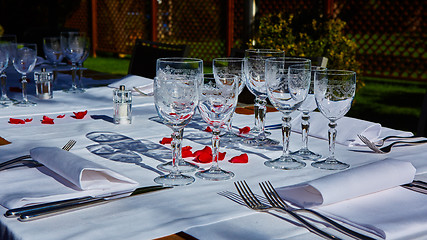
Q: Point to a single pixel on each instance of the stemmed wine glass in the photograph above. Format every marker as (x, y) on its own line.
(8, 41)
(176, 94)
(53, 52)
(308, 106)
(235, 66)
(24, 61)
(288, 82)
(334, 92)
(73, 44)
(218, 100)
(4, 60)
(80, 63)
(255, 81)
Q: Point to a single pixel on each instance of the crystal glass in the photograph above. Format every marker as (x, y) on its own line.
(176, 94)
(24, 61)
(4, 60)
(53, 52)
(73, 44)
(235, 66)
(288, 82)
(255, 81)
(8, 42)
(80, 63)
(334, 92)
(218, 100)
(308, 106)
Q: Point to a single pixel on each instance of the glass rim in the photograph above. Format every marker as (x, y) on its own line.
(264, 50)
(280, 59)
(229, 59)
(180, 59)
(339, 72)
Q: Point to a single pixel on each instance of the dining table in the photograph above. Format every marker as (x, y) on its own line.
(204, 209)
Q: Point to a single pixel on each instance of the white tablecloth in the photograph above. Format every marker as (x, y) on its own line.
(200, 209)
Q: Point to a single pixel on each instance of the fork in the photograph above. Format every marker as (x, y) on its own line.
(381, 142)
(276, 201)
(252, 202)
(67, 147)
(387, 148)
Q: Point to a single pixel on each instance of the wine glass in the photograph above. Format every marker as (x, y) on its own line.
(176, 94)
(334, 92)
(288, 82)
(80, 63)
(24, 61)
(235, 66)
(255, 81)
(308, 106)
(4, 60)
(53, 52)
(9, 43)
(217, 102)
(73, 44)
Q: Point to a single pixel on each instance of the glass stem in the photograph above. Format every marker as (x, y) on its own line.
(215, 148)
(3, 85)
(73, 76)
(229, 124)
(286, 132)
(305, 126)
(24, 88)
(332, 134)
(80, 75)
(180, 134)
(260, 104)
(176, 146)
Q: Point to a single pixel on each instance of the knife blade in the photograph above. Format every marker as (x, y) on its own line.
(39, 211)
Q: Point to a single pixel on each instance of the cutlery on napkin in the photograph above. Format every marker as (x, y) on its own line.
(64, 176)
(368, 197)
(136, 84)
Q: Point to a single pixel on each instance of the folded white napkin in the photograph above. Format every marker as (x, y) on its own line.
(64, 176)
(367, 197)
(143, 84)
(347, 129)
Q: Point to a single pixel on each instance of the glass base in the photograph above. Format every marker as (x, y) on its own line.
(258, 142)
(306, 154)
(330, 164)
(7, 101)
(75, 90)
(174, 179)
(215, 174)
(25, 104)
(285, 163)
(183, 166)
(253, 133)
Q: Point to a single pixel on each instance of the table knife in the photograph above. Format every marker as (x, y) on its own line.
(38, 211)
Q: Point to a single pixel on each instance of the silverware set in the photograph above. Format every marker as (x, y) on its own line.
(27, 158)
(379, 148)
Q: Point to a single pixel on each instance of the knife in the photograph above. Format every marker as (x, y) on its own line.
(38, 211)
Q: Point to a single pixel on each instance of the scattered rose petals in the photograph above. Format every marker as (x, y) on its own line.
(208, 129)
(166, 140)
(16, 121)
(186, 152)
(28, 119)
(205, 155)
(60, 116)
(244, 130)
(47, 120)
(79, 115)
(240, 159)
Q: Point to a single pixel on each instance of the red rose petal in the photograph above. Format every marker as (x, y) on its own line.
(240, 159)
(166, 140)
(60, 116)
(28, 119)
(221, 155)
(47, 120)
(80, 115)
(16, 121)
(244, 130)
(205, 155)
(208, 129)
(186, 152)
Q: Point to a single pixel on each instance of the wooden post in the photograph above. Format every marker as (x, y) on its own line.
(329, 7)
(230, 26)
(154, 20)
(94, 17)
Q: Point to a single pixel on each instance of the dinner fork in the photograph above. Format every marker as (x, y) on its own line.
(252, 202)
(387, 148)
(67, 147)
(381, 142)
(276, 201)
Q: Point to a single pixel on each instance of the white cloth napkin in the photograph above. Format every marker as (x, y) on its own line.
(367, 197)
(143, 84)
(64, 176)
(347, 129)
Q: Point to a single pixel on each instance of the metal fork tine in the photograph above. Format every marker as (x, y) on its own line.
(242, 194)
(276, 195)
(69, 145)
(251, 194)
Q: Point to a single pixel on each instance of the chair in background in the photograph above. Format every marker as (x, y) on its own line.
(146, 53)
(422, 122)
